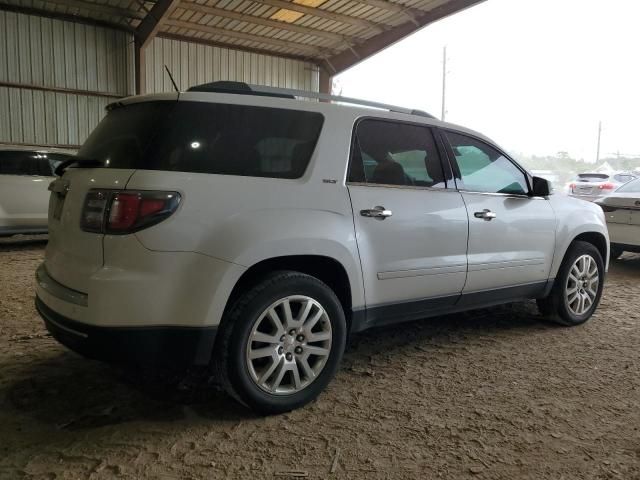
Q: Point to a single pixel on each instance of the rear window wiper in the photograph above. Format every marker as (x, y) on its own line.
(80, 161)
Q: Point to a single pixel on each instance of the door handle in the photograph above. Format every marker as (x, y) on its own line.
(378, 212)
(486, 214)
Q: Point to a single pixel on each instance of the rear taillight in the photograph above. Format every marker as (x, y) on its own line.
(606, 186)
(95, 204)
(119, 212)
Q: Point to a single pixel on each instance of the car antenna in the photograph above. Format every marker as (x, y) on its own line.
(172, 80)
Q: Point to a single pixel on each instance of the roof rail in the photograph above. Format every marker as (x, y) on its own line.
(237, 88)
(262, 90)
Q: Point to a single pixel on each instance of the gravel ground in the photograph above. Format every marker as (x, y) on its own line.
(492, 394)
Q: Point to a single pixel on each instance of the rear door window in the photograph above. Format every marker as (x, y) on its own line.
(206, 138)
(395, 153)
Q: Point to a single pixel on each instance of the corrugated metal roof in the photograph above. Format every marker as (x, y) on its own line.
(315, 30)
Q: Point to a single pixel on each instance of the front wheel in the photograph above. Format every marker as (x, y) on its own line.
(282, 342)
(577, 289)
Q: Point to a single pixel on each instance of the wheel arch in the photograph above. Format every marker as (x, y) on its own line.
(597, 239)
(327, 269)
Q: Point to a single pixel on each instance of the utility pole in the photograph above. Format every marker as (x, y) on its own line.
(444, 82)
(599, 134)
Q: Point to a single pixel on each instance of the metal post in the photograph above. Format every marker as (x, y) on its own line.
(139, 67)
(326, 81)
(599, 135)
(444, 82)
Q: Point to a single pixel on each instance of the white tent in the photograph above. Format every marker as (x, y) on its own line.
(605, 168)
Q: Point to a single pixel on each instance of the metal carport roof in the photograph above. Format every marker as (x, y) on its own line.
(334, 34)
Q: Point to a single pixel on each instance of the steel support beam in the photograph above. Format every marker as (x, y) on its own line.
(357, 53)
(145, 32)
(326, 81)
(301, 48)
(248, 18)
(151, 24)
(73, 91)
(139, 68)
(67, 17)
(231, 46)
(98, 8)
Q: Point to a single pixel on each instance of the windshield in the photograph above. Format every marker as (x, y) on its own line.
(206, 138)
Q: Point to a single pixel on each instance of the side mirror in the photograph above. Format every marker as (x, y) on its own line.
(541, 187)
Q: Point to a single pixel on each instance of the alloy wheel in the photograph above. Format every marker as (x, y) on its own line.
(582, 285)
(289, 345)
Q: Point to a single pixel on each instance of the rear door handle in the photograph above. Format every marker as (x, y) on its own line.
(378, 212)
(486, 214)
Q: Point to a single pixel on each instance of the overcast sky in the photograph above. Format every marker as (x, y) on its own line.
(534, 75)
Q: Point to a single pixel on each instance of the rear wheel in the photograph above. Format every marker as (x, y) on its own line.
(282, 342)
(577, 289)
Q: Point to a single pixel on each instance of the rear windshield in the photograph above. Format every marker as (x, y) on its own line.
(206, 138)
(592, 177)
(24, 162)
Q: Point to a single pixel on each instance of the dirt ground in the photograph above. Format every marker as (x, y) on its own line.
(492, 394)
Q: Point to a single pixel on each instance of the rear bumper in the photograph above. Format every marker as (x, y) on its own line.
(588, 198)
(145, 346)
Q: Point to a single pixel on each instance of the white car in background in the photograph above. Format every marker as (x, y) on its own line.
(592, 186)
(25, 175)
(622, 211)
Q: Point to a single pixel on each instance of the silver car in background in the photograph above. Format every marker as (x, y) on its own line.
(622, 212)
(25, 175)
(592, 186)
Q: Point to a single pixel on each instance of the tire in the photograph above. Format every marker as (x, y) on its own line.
(615, 252)
(249, 317)
(556, 306)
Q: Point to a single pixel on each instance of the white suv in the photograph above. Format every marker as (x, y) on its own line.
(250, 232)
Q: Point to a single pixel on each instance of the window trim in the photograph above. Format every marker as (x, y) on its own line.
(444, 164)
(460, 186)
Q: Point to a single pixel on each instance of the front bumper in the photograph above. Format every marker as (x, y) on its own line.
(164, 346)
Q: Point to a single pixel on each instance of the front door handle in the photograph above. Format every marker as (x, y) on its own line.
(486, 214)
(378, 212)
